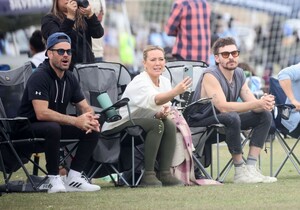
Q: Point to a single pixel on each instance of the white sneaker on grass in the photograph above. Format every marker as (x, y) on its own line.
(80, 184)
(56, 184)
(242, 175)
(256, 172)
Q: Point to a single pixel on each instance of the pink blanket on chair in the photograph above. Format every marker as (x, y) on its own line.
(183, 165)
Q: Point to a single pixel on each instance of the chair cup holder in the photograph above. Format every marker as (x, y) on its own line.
(111, 114)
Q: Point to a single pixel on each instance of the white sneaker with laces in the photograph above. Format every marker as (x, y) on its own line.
(80, 184)
(55, 184)
(256, 172)
(242, 175)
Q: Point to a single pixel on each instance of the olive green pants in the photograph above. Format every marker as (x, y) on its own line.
(160, 141)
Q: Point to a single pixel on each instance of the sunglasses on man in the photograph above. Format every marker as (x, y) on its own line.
(226, 54)
(62, 51)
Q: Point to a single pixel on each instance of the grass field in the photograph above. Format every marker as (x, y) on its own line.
(283, 194)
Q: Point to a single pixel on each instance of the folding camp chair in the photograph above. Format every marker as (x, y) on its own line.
(11, 156)
(13, 153)
(175, 71)
(12, 84)
(109, 154)
(282, 111)
(122, 74)
(203, 149)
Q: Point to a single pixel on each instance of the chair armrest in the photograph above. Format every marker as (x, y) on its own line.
(283, 110)
(285, 106)
(14, 119)
(8, 123)
(108, 114)
(120, 103)
(207, 104)
(200, 101)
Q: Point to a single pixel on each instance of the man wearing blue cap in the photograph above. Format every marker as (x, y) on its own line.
(48, 92)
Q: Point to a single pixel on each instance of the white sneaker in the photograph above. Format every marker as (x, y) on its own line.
(63, 178)
(80, 184)
(256, 172)
(242, 175)
(55, 184)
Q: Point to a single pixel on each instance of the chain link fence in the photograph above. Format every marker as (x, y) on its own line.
(267, 31)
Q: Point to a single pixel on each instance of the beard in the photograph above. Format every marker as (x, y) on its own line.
(61, 66)
(230, 65)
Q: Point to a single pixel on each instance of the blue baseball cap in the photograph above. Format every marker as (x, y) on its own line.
(55, 38)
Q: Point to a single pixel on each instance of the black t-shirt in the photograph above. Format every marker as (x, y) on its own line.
(44, 84)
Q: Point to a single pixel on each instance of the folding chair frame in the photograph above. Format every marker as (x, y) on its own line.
(281, 108)
(289, 151)
(7, 141)
(135, 132)
(221, 176)
(17, 78)
(122, 78)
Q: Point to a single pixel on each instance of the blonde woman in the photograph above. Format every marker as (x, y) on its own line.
(150, 95)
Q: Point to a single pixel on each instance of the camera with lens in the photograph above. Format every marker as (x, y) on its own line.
(82, 3)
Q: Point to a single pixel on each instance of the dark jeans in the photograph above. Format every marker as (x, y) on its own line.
(53, 132)
(234, 122)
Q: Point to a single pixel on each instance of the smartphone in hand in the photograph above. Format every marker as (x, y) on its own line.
(188, 71)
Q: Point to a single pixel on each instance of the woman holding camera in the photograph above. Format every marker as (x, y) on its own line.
(76, 19)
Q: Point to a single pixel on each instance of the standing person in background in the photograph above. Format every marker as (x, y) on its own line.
(99, 8)
(76, 19)
(127, 49)
(189, 21)
(37, 49)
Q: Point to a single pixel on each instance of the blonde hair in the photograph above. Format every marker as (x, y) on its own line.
(150, 48)
(79, 21)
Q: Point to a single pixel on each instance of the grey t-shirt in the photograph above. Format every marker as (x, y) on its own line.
(231, 91)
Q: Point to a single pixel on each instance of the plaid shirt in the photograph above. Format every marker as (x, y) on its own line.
(189, 21)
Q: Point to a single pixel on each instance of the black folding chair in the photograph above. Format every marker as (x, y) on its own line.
(17, 152)
(12, 85)
(176, 71)
(282, 111)
(112, 152)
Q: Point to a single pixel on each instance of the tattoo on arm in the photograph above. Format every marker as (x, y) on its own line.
(214, 96)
